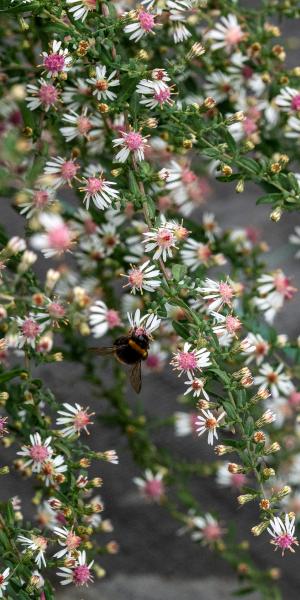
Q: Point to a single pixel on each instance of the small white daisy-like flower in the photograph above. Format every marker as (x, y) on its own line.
(257, 348)
(102, 319)
(45, 95)
(131, 142)
(273, 290)
(282, 532)
(194, 254)
(154, 93)
(210, 226)
(179, 12)
(38, 545)
(162, 239)
(143, 277)
(101, 83)
(185, 423)
(4, 581)
(79, 574)
(110, 456)
(29, 331)
(100, 191)
(288, 99)
(67, 539)
(196, 386)
(145, 324)
(37, 452)
(152, 486)
(227, 33)
(217, 294)
(38, 201)
(226, 324)
(75, 419)
(220, 86)
(81, 8)
(52, 468)
(76, 93)
(209, 423)
(293, 128)
(62, 170)
(274, 379)
(143, 24)
(206, 529)
(79, 126)
(57, 60)
(188, 360)
(227, 479)
(57, 238)
(295, 239)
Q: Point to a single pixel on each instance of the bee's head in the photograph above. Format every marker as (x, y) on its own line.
(140, 336)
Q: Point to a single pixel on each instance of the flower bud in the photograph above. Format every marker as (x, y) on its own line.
(258, 529)
(264, 504)
(240, 186)
(209, 103)
(285, 491)
(15, 245)
(226, 170)
(259, 437)
(276, 214)
(275, 447)
(234, 468)
(220, 450)
(267, 418)
(195, 51)
(268, 472)
(244, 498)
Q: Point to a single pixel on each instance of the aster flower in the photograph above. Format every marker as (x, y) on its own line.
(38, 201)
(145, 324)
(220, 86)
(74, 418)
(100, 191)
(29, 331)
(274, 379)
(226, 34)
(101, 83)
(52, 469)
(273, 290)
(143, 25)
(57, 238)
(209, 423)
(78, 126)
(102, 319)
(81, 8)
(288, 99)
(45, 95)
(187, 189)
(227, 479)
(194, 254)
(79, 574)
(3, 581)
(185, 423)
(282, 532)
(154, 93)
(67, 539)
(62, 170)
(37, 452)
(226, 324)
(179, 11)
(217, 294)
(293, 128)
(206, 529)
(57, 60)
(210, 226)
(162, 238)
(295, 239)
(257, 348)
(36, 544)
(189, 359)
(143, 277)
(196, 386)
(152, 486)
(131, 142)
(76, 93)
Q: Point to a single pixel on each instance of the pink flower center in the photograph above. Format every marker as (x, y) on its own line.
(272, 377)
(165, 238)
(48, 94)
(54, 62)
(90, 4)
(187, 361)
(89, 226)
(159, 74)
(188, 176)
(146, 20)
(249, 126)
(134, 140)
(234, 35)
(94, 185)
(40, 541)
(41, 199)
(226, 292)
(284, 541)
(81, 420)
(261, 348)
(72, 541)
(296, 102)
(68, 170)
(294, 398)
(101, 85)
(81, 575)
(60, 238)
(1, 579)
(112, 318)
(30, 329)
(83, 125)
(39, 453)
(162, 95)
(204, 253)
(211, 423)
(212, 532)
(238, 480)
(247, 72)
(282, 285)
(56, 310)
(154, 488)
(152, 361)
(232, 324)
(136, 278)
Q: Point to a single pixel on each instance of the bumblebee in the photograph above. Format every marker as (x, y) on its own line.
(131, 350)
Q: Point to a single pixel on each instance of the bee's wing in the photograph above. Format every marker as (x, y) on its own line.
(103, 351)
(136, 377)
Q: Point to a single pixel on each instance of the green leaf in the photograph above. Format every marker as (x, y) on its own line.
(244, 591)
(178, 271)
(269, 198)
(250, 165)
(230, 410)
(181, 329)
(10, 375)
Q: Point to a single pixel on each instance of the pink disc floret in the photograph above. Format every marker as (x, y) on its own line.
(60, 238)
(30, 329)
(39, 453)
(134, 140)
(187, 361)
(54, 62)
(48, 94)
(81, 575)
(296, 102)
(146, 20)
